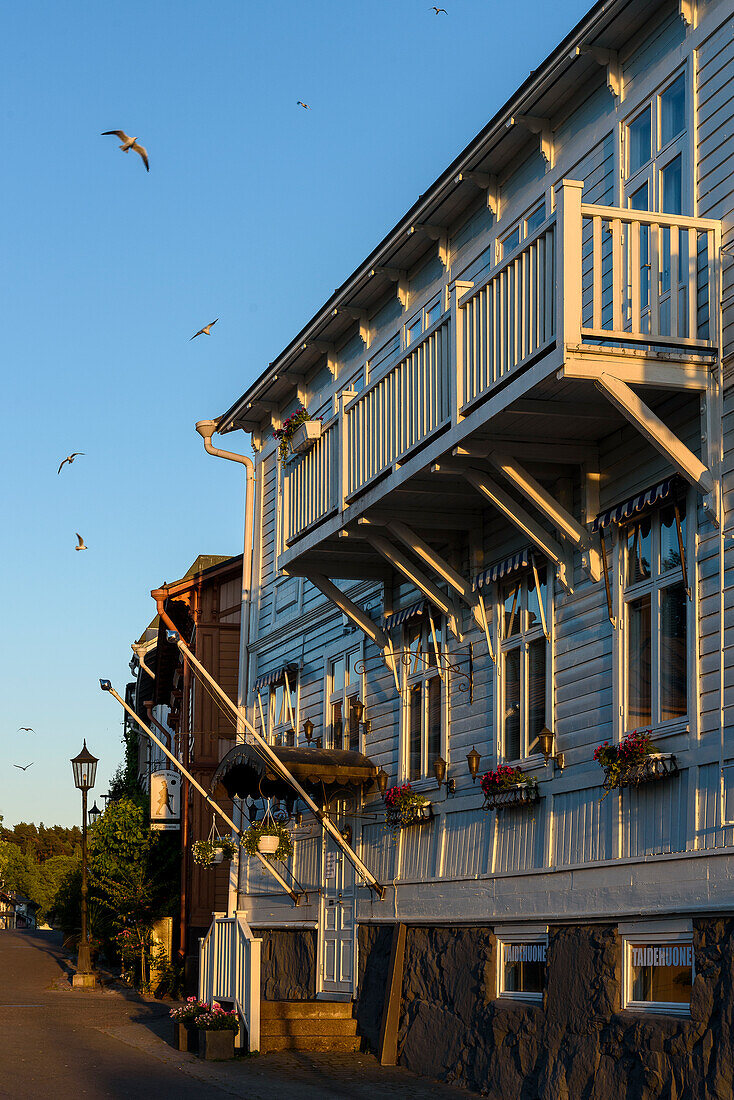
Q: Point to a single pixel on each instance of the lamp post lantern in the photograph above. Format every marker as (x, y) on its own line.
(94, 814)
(84, 767)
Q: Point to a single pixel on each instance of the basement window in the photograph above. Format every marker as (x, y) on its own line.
(521, 962)
(659, 969)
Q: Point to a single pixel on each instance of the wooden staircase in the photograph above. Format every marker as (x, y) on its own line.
(307, 1026)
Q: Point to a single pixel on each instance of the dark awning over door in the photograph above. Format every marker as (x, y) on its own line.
(245, 771)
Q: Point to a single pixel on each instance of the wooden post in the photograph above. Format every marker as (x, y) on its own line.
(568, 295)
(342, 450)
(388, 1052)
(457, 365)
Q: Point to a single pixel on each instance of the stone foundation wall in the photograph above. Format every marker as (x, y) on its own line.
(578, 1044)
(288, 964)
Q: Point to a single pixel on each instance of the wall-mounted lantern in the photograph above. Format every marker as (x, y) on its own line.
(382, 781)
(358, 711)
(473, 759)
(546, 743)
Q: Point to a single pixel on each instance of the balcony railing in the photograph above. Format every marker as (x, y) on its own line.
(589, 274)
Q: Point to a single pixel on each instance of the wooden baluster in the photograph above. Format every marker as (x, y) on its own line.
(674, 280)
(692, 284)
(713, 247)
(617, 289)
(633, 229)
(596, 264)
(654, 280)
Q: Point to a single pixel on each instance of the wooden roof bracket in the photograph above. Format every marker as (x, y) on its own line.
(487, 182)
(659, 435)
(398, 276)
(398, 560)
(349, 608)
(436, 233)
(609, 59)
(540, 126)
(360, 316)
(325, 347)
(688, 11)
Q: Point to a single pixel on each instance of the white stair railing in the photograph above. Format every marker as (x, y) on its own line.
(229, 970)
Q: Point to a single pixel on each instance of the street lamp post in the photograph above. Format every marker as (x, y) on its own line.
(84, 767)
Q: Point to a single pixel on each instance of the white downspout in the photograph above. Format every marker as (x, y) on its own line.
(206, 429)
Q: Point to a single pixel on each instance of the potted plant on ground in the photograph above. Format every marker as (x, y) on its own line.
(268, 838)
(507, 786)
(208, 853)
(298, 433)
(217, 1030)
(185, 1029)
(404, 806)
(632, 761)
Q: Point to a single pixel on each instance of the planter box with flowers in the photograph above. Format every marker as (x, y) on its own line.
(404, 806)
(208, 853)
(217, 1030)
(298, 434)
(508, 787)
(185, 1029)
(268, 839)
(632, 762)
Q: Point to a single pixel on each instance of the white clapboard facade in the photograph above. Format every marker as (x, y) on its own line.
(525, 415)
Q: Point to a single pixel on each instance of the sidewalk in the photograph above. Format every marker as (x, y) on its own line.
(60, 1044)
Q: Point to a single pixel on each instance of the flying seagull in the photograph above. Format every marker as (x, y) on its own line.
(24, 769)
(26, 729)
(129, 143)
(69, 459)
(300, 103)
(439, 10)
(81, 545)
(206, 330)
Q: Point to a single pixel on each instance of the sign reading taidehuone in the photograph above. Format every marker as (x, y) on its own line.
(678, 955)
(525, 952)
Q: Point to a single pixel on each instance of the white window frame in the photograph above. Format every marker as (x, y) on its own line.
(503, 645)
(661, 156)
(420, 318)
(265, 709)
(654, 586)
(508, 939)
(353, 690)
(654, 939)
(521, 225)
(422, 675)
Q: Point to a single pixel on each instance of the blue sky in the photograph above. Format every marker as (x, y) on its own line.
(253, 211)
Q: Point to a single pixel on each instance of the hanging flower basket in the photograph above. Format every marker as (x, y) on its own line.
(268, 839)
(506, 787)
(299, 432)
(209, 853)
(404, 806)
(305, 436)
(632, 762)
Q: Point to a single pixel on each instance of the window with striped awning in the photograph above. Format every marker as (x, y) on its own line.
(523, 559)
(639, 502)
(397, 618)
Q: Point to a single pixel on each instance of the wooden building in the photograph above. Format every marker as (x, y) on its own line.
(511, 532)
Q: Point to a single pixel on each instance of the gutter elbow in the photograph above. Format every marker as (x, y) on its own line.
(206, 429)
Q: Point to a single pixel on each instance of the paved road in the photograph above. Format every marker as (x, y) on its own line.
(59, 1044)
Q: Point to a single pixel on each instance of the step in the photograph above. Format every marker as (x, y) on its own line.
(334, 1028)
(309, 1043)
(300, 1010)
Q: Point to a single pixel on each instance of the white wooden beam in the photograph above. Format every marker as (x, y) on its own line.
(439, 565)
(562, 519)
(404, 565)
(563, 452)
(367, 625)
(656, 432)
(685, 376)
(540, 126)
(524, 522)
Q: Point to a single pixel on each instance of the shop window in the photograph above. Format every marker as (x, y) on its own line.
(522, 967)
(423, 697)
(656, 608)
(344, 687)
(659, 972)
(524, 669)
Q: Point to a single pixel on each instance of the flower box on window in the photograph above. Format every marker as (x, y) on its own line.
(404, 806)
(506, 787)
(657, 765)
(632, 762)
(305, 436)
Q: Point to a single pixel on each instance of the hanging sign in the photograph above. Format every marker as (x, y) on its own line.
(165, 800)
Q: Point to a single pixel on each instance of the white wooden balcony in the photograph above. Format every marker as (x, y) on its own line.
(591, 285)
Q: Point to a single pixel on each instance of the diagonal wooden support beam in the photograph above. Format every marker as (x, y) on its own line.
(439, 565)
(567, 524)
(405, 566)
(524, 522)
(656, 433)
(359, 617)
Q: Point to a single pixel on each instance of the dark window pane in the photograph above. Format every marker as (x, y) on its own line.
(662, 973)
(673, 653)
(536, 692)
(434, 720)
(535, 220)
(353, 730)
(511, 241)
(639, 663)
(337, 674)
(524, 967)
(669, 548)
(512, 704)
(672, 189)
(639, 551)
(640, 200)
(512, 609)
(336, 725)
(414, 733)
(534, 617)
(640, 141)
(673, 112)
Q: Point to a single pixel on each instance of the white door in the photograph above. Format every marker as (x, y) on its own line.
(337, 925)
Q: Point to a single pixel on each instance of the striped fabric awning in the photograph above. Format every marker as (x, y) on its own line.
(501, 569)
(277, 676)
(635, 504)
(397, 618)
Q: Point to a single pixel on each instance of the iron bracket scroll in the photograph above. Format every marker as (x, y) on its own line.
(464, 676)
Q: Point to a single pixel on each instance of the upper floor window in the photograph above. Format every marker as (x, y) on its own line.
(655, 152)
(421, 321)
(656, 658)
(344, 690)
(423, 697)
(524, 663)
(523, 229)
(276, 705)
